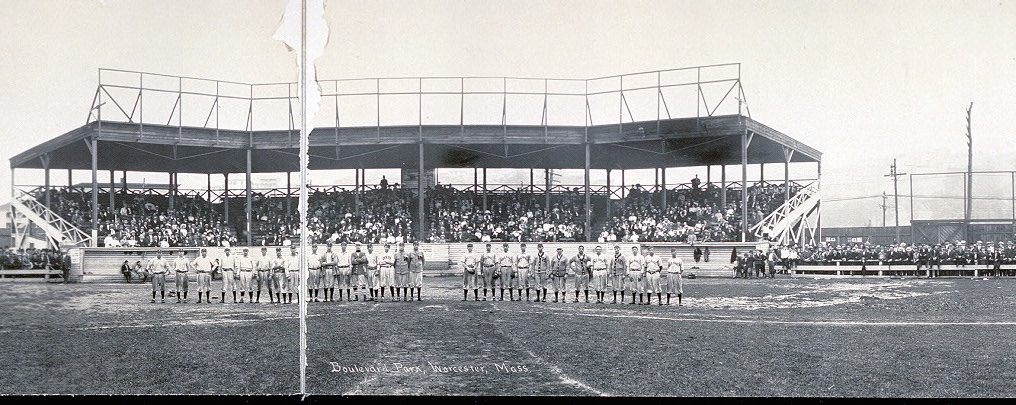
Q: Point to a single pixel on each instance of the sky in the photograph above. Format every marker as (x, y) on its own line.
(862, 81)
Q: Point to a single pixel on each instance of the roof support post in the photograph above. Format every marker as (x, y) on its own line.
(788, 154)
(45, 165)
(208, 194)
(225, 196)
(484, 189)
(609, 194)
(419, 195)
(289, 193)
(250, 237)
(589, 207)
(112, 192)
(663, 187)
(360, 178)
(13, 228)
(95, 191)
(723, 187)
(546, 194)
(744, 185)
(172, 190)
(818, 221)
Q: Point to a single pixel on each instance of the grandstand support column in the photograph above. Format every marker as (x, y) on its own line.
(250, 237)
(788, 154)
(419, 195)
(70, 179)
(609, 213)
(95, 191)
(663, 188)
(546, 193)
(112, 191)
(589, 208)
(356, 190)
(225, 196)
(208, 196)
(484, 189)
(12, 225)
(45, 167)
(289, 193)
(744, 185)
(818, 219)
(172, 189)
(723, 186)
(709, 174)
(762, 173)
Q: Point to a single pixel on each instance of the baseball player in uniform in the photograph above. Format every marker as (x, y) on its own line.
(328, 261)
(416, 272)
(358, 260)
(386, 263)
(522, 262)
(228, 266)
(559, 272)
(654, 265)
(470, 265)
(675, 267)
(293, 267)
(245, 264)
(313, 273)
(279, 276)
(636, 265)
(505, 269)
(158, 268)
(204, 266)
(618, 273)
(344, 271)
(541, 269)
(372, 271)
(599, 265)
(182, 267)
(401, 274)
(264, 275)
(580, 266)
(488, 261)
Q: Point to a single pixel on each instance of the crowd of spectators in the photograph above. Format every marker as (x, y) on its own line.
(387, 214)
(31, 259)
(951, 253)
(695, 214)
(384, 215)
(458, 216)
(146, 220)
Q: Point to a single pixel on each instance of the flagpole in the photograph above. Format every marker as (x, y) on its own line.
(303, 196)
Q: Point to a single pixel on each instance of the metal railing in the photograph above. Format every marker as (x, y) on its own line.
(146, 98)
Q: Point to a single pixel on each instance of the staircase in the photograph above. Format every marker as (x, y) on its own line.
(57, 230)
(791, 222)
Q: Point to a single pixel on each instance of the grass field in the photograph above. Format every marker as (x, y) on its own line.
(784, 337)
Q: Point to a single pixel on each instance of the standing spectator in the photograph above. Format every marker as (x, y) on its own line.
(705, 254)
(697, 254)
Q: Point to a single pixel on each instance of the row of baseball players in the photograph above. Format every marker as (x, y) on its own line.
(371, 272)
(638, 273)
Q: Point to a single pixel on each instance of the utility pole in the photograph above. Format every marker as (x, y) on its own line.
(896, 195)
(970, 171)
(883, 206)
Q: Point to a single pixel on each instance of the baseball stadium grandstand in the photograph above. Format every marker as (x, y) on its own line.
(687, 117)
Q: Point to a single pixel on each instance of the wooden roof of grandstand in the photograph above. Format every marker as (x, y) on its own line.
(679, 142)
